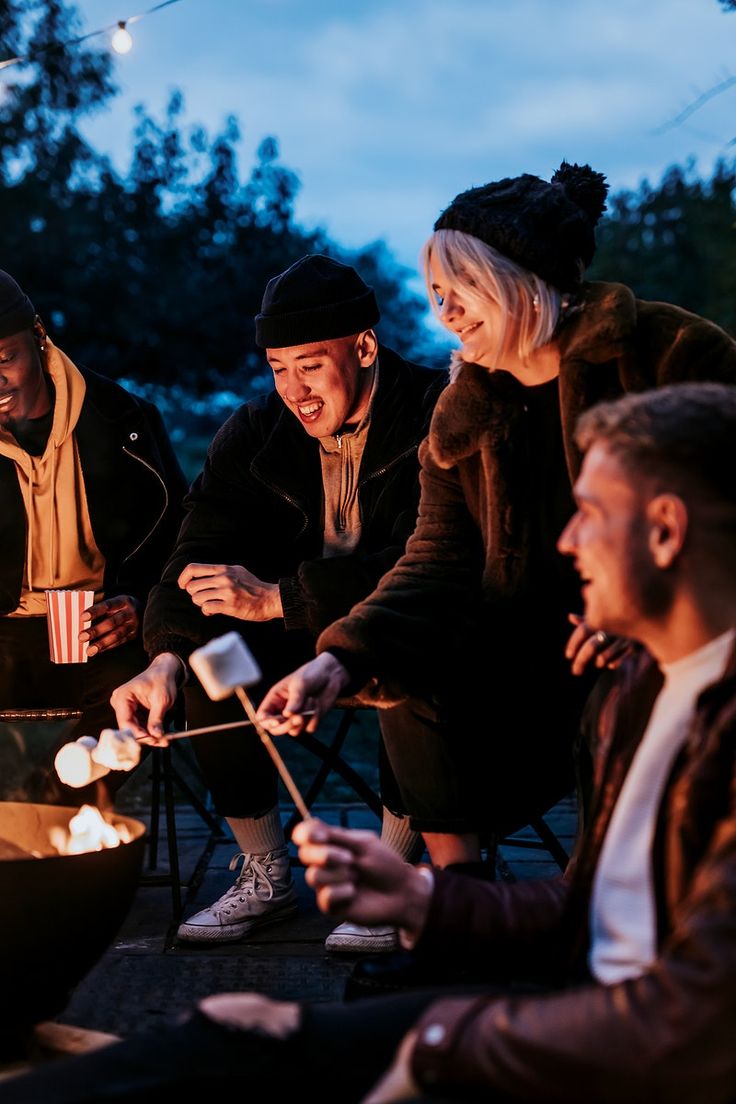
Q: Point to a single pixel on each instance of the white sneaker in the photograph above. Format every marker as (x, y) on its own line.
(263, 893)
(355, 939)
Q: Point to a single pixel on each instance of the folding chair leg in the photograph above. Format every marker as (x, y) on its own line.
(173, 848)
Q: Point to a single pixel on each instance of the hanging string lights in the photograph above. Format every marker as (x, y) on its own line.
(121, 39)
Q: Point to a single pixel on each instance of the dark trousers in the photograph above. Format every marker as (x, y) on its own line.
(487, 762)
(29, 680)
(236, 768)
(339, 1052)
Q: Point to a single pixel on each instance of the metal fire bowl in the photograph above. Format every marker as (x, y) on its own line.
(58, 913)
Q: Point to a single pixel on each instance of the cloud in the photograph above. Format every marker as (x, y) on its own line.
(387, 109)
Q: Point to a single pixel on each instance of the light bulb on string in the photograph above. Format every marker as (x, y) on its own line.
(121, 40)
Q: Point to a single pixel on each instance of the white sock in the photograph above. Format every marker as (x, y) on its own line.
(258, 835)
(397, 833)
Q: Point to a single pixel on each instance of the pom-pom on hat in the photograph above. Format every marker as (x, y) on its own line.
(16, 309)
(547, 228)
(316, 299)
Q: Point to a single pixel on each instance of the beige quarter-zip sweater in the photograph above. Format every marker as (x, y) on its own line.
(341, 454)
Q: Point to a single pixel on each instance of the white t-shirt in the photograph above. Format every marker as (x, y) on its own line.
(622, 911)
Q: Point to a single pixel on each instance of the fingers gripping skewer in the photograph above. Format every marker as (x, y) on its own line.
(226, 666)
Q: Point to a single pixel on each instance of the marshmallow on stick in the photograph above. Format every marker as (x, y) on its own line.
(74, 763)
(226, 666)
(117, 749)
(85, 760)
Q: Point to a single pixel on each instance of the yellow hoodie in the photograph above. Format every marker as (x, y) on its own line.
(60, 547)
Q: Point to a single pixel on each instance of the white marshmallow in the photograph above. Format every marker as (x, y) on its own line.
(117, 749)
(223, 664)
(74, 763)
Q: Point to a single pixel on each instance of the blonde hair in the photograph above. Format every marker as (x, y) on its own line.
(487, 276)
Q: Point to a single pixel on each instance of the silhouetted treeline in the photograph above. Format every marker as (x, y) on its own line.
(675, 241)
(154, 276)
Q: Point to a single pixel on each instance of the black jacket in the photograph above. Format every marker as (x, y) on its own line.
(258, 503)
(134, 488)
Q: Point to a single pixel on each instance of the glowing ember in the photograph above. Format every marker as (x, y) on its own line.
(88, 831)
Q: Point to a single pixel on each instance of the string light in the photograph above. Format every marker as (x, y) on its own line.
(121, 39)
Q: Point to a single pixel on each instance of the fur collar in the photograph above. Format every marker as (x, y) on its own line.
(480, 405)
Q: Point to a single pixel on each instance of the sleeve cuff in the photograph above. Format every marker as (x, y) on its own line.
(292, 603)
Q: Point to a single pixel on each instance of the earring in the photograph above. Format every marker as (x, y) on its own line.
(535, 303)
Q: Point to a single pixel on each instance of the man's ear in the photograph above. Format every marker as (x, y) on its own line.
(39, 332)
(366, 347)
(668, 522)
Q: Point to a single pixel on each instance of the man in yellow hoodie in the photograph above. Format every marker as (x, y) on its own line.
(90, 499)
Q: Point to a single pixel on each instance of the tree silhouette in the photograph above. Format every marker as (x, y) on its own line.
(152, 276)
(675, 242)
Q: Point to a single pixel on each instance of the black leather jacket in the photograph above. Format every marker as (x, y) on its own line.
(258, 503)
(134, 487)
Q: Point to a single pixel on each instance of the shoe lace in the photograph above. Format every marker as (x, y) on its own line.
(253, 875)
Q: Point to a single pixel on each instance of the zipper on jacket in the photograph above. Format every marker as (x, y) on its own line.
(286, 497)
(386, 467)
(157, 522)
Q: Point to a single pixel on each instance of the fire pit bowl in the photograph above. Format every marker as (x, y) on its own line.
(58, 912)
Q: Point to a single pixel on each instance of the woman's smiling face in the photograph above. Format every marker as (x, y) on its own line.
(475, 320)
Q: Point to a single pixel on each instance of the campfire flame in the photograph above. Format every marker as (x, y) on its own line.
(88, 831)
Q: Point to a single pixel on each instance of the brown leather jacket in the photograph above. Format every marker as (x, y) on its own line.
(668, 1036)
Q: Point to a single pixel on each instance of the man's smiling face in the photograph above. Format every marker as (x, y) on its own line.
(325, 383)
(23, 391)
(609, 537)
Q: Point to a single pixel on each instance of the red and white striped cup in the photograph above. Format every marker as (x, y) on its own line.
(64, 609)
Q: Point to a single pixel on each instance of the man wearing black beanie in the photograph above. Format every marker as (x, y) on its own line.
(90, 496)
(307, 497)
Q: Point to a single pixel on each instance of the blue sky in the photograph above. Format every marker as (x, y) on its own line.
(387, 109)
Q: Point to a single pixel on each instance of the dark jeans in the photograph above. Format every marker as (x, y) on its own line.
(486, 761)
(29, 680)
(237, 769)
(339, 1052)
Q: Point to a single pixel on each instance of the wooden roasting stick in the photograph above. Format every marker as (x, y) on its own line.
(226, 666)
(215, 728)
(281, 766)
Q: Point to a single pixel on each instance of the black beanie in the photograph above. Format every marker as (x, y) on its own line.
(316, 299)
(16, 309)
(548, 229)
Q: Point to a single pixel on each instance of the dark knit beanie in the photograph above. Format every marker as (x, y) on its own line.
(316, 299)
(549, 229)
(16, 309)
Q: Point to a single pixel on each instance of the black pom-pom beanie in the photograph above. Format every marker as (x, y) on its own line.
(547, 228)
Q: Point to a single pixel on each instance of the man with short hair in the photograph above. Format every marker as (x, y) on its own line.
(637, 1001)
(307, 497)
(90, 499)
